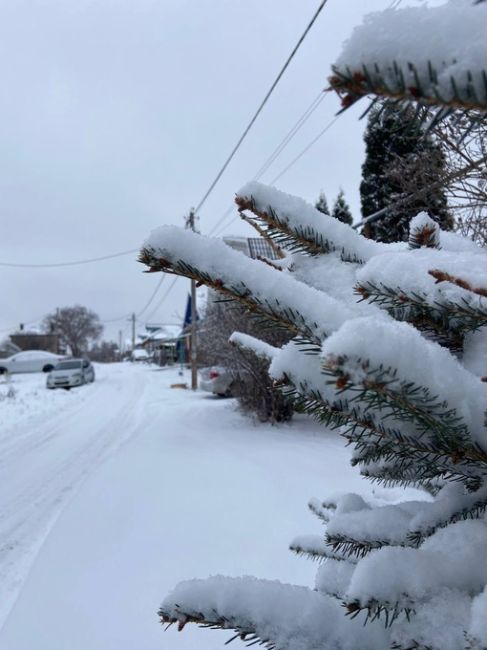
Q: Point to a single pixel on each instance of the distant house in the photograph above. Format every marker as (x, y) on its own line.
(32, 339)
(162, 344)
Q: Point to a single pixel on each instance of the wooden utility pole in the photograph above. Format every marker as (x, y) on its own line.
(190, 223)
(133, 332)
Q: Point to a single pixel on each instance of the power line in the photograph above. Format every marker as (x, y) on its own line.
(74, 263)
(291, 133)
(263, 103)
(273, 156)
(107, 320)
(166, 293)
(288, 167)
(305, 150)
(277, 152)
(153, 295)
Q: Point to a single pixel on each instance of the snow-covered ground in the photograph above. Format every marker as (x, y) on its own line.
(112, 493)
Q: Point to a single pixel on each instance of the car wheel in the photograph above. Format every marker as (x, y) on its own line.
(3, 371)
(48, 368)
(67, 387)
(229, 392)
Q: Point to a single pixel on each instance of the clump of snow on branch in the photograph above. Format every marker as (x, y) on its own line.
(258, 347)
(424, 51)
(294, 618)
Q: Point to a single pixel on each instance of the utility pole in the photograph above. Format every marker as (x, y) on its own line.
(133, 332)
(120, 351)
(190, 223)
(58, 337)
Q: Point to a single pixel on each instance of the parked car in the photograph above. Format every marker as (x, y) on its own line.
(140, 355)
(70, 373)
(30, 361)
(217, 380)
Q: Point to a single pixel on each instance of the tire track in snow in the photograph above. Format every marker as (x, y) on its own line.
(43, 473)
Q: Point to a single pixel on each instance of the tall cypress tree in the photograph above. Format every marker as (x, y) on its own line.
(322, 204)
(400, 159)
(341, 210)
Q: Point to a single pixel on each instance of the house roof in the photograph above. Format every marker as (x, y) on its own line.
(164, 333)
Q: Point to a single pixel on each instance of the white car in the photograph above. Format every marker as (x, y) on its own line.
(217, 380)
(70, 373)
(30, 361)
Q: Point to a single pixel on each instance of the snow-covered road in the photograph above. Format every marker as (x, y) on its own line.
(49, 442)
(113, 493)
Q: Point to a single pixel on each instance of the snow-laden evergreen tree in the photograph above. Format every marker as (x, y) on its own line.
(395, 142)
(390, 345)
(322, 204)
(341, 209)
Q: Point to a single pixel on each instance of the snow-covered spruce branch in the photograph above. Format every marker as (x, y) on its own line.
(390, 457)
(386, 610)
(391, 55)
(413, 461)
(411, 578)
(424, 232)
(445, 511)
(380, 388)
(276, 615)
(443, 276)
(292, 305)
(323, 511)
(407, 286)
(316, 548)
(299, 227)
(412, 379)
(258, 347)
(419, 460)
(412, 522)
(447, 321)
(352, 84)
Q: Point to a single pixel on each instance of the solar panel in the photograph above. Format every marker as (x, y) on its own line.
(260, 247)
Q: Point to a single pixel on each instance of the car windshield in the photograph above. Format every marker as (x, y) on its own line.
(68, 365)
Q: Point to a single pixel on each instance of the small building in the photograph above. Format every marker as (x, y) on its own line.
(33, 339)
(162, 344)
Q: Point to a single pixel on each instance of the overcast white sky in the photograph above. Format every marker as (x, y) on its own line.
(116, 115)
